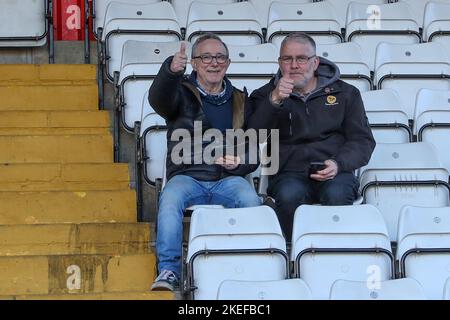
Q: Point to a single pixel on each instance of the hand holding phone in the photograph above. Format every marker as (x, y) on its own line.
(316, 166)
(322, 171)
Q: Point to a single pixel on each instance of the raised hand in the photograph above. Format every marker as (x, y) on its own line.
(284, 88)
(179, 60)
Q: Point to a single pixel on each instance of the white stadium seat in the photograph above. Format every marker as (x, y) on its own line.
(289, 289)
(341, 7)
(437, 22)
(340, 242)
(236, 23)
(147, 22)
(182, 8)
(154, 147)
(141, 61)
(432, 121)
(99, 11)
(262, 8)
(317, 19)
(401, 174)
(409, 68)
(252, 66)
(234, 244)
(368, 25)
(447, 289)
(352, 64)
(23, 23)
(387, 119)
(423, 248)
(418, 7)
(399, 289)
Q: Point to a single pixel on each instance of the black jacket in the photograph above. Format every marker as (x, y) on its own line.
(178, 101)
(330, 123)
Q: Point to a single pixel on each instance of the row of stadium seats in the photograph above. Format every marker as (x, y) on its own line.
(330, 246)
(276, 15)
(124, 22)
(250, 22)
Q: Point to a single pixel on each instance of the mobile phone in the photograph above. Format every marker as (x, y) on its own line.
(316, 166)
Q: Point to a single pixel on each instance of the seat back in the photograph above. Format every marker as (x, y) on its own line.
(341, 7)
(318, 19)
(437, 22)
(234, 244)
(99, 11)
(418, 8)
(424, 247)
(23, 23)
(146, 22)
(339, 242)
(399, 289)
(352, 64)
(401, 174)
(409, 68)
(368, 25)
(236, 23)
(182, 8)
(289, 289)
(252, 66)
(262, 8)
(432, 121)
(387, 119)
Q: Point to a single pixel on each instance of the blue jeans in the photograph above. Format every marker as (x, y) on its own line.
(290, 190)
(182, 192)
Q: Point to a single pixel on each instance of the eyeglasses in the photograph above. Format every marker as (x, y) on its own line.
(207, 58)
(298, 59)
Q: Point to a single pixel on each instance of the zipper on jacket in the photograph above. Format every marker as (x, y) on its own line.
(290, 123)
(306, 109)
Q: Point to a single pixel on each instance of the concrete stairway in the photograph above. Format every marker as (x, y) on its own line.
(68, 225)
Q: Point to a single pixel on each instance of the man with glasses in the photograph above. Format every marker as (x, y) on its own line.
(324, 132)
(207, 97)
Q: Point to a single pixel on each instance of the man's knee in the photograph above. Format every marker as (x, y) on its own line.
(245, 194)
(338, 195)
(290, 196)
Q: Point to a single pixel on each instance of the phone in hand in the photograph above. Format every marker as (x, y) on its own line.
(316, 166)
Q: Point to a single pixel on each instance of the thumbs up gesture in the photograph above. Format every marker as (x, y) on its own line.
(179, 60)
(284, 88)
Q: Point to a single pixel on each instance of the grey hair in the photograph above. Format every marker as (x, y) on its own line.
(205, 37)
(299, 37)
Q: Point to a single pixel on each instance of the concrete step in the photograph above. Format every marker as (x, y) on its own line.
(66, 239)
(49, 73)
(64, 177)
(144, 295)
(51, 149)
(49, 97)
(53, 131)
(77, 274)
(67, 207)
(54, 119)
